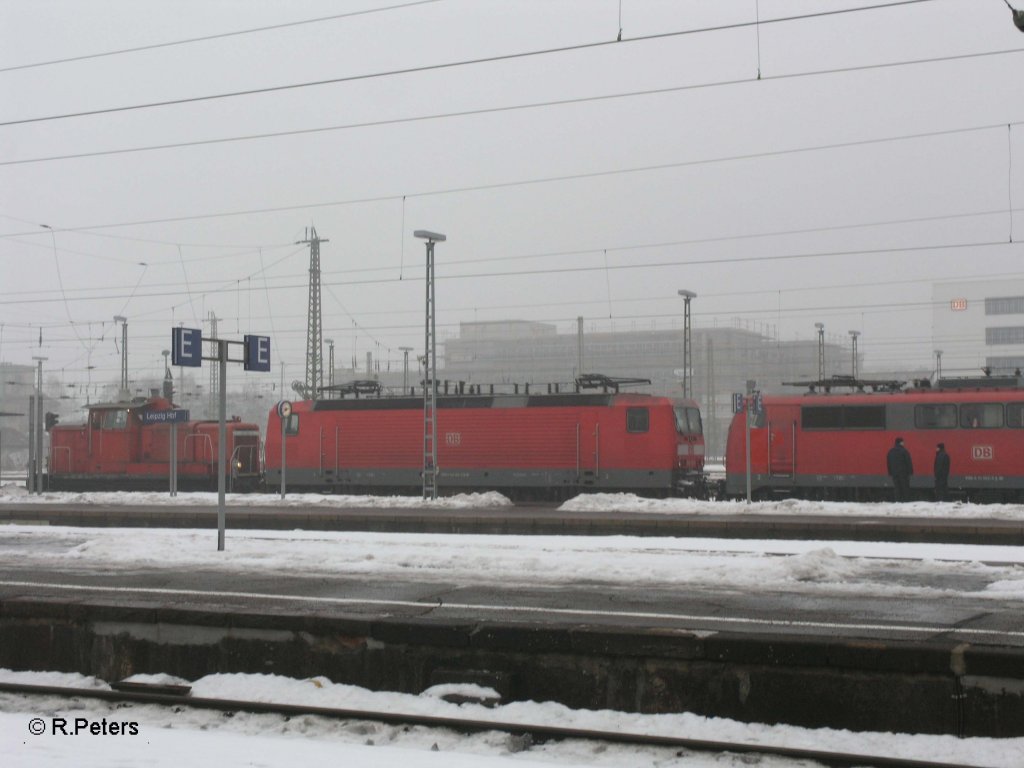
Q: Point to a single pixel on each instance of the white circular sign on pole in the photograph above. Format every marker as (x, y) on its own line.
(284, 409)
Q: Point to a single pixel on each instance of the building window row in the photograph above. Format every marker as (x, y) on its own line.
(1005, 335)
(1005, 305)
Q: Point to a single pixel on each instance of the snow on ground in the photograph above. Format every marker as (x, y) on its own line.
(627, 502)
(12, 493)
(196, 737)
(169, 738)
(588, 502)
(539, 561)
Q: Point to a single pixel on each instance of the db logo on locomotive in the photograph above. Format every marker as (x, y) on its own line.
(982, 452)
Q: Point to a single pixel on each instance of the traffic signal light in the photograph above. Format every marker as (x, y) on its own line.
(50, 420)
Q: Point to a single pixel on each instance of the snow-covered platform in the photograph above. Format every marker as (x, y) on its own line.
(878, 635)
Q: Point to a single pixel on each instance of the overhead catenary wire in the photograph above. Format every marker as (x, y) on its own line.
(207, 38)
(533, 181)
(219, 283)
(473, 112)
(229, 286)
(469, 63)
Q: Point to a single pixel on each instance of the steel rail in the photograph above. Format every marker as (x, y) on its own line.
(538, 733)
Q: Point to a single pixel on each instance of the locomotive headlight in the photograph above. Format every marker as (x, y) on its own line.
(238, 464)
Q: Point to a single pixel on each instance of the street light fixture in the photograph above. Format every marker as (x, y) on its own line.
(687, 343)
(1018, 16)
(430, 371)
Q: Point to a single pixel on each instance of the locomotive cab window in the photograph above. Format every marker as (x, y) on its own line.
(291, 426)
(935, 416)
(981, 415)
(637, 420)
(693, 419)
(843, 417)
(1015, 415)
(688, 421)
(115, 419)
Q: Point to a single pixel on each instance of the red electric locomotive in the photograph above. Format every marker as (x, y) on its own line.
(119, 449)
(828, 445)
(547, 446)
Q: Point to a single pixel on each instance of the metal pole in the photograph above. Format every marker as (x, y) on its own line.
(853, 336)
(30, 467)
(430, 470)
(750, 411)
(405, 368)
(284, 452)
(222, 442)
(39, 425)
(687, 343)
(174, 460)
(124, 356)
(39, 435)
(430, 391)
(579, 346)
(821, 350)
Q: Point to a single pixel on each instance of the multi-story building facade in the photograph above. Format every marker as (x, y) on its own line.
(723, 360)
(979, 325)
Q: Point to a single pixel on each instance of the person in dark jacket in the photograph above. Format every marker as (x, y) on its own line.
(941, 472)
(901, 468)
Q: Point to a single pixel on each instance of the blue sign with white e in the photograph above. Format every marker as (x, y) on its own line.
(187, 347)
(257, 353)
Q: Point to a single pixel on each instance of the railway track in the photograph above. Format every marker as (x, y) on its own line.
(177, 696)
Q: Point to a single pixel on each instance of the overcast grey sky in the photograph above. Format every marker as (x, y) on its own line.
(603, 207)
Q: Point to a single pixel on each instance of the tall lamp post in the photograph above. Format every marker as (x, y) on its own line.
(124, 354)
(687, 344)
(36, 475)
(330, 362)
(405, 368)
(853, 338)
(430, 371)
(821, 350)
(168, 379)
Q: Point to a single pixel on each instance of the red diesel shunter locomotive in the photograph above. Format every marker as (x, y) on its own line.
(549, 446)
(827, 445)
(115, 450)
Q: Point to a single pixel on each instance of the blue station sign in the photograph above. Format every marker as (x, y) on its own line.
(257, 353)
(187, 347)
(173, 416)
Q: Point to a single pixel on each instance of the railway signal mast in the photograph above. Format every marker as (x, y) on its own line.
(430, 372)
(125, 394)
(314, 324)
(687, 344)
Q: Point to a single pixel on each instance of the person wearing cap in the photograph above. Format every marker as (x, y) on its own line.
(941, 472)
(900, 469)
